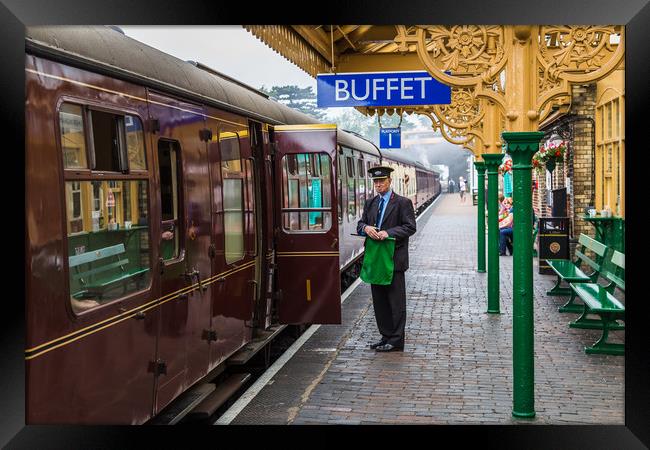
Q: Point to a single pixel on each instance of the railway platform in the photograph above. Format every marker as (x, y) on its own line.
(456, 367)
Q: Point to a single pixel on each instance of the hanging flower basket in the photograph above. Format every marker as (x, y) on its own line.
(506, 167)
(548, 156)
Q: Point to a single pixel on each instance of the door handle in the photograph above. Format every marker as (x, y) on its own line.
(334, 242)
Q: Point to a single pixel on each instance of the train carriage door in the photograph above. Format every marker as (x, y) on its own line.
(307, 232)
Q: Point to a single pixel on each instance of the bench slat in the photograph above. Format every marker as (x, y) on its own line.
(97, 270)
(597, 247)
(567, 270)
(94, 255)
(590, 262)
(104, 283)
(618, 259)
(597, 298)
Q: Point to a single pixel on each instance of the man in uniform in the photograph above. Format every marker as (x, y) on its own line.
(389, 214)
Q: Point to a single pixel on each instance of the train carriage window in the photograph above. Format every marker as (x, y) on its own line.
(170, 198)
(73, 139)
(108, 256)
(108, 141)
(233, 196)
(362, 186)
(352, 191)
(233, 220)
(306, 182)
(339, 179)
(371, 188)
(135, 143)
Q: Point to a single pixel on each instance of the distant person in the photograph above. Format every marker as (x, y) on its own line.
(450, 189)
(461, 189)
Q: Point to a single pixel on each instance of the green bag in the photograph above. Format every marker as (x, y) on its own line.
(378, 262)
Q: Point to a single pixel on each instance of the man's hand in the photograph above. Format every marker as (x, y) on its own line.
(382, 235)
(371, 232)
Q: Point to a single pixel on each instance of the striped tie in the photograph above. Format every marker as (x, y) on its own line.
(379, 211)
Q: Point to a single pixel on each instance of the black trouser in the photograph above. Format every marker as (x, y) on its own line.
(389, 302)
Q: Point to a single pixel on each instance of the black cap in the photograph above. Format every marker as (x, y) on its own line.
(379, 172)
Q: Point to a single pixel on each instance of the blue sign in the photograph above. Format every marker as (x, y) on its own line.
(380, 89)
(390, 138)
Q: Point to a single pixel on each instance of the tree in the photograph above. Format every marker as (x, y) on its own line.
(352, 120)
(301, 99)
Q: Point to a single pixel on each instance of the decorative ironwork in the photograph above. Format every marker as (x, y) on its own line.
(578, 53)
(464, 111)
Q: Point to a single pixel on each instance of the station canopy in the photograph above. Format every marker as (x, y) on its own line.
(319, 49)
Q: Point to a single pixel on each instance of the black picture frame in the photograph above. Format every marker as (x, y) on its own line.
(14, 14)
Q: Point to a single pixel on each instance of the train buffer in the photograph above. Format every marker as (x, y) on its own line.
(456, 366)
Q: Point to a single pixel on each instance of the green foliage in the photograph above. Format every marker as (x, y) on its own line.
(301, 99)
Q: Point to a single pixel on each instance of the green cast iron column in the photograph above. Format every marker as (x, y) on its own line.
(521, 147)
(492, 162)
(480, 169)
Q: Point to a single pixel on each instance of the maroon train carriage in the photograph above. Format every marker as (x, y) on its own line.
(412, 179)
(172, 215)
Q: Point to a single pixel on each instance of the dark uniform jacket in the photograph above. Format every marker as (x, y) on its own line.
(399, 222)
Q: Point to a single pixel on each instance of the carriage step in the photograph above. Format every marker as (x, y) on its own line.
(185, 403)
(246, 353)
(219, 396)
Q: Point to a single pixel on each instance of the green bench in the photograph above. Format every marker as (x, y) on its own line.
(600, 300)
(95, 280)
(570, 271)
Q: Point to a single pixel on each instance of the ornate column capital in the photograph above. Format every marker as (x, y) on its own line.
(492, 162)
(480, 167)
(521, 146)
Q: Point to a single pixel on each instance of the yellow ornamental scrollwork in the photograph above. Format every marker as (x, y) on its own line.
(464, 110)
(578, 53)
(472, 53)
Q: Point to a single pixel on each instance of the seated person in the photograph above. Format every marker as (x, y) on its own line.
(505, 227)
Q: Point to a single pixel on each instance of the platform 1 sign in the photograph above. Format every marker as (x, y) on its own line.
(390, 138)
(380, 89)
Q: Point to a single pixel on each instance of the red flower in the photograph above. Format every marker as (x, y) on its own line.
(557, 153)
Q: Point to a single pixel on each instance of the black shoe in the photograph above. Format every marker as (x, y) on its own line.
(502, 254)
(389, 348)
(377, 344)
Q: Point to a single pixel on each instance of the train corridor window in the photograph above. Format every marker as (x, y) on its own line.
(339, 180)
(170, 197)
(233, 196)
(135, 143)
(352, 191)
(73, 139)
(108, 256)
(370, 191)
(362, 185)
(306, 179)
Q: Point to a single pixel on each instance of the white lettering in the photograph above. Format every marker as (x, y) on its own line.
(341, 86)
(405, 88)
(389, 87)
(367, 93)
(422, 80)
(376, 88)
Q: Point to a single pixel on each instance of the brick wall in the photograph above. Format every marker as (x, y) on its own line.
(581, 164)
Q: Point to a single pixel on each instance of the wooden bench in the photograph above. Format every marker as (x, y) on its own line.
(96, 287)
(600, 300)
(571, 272)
